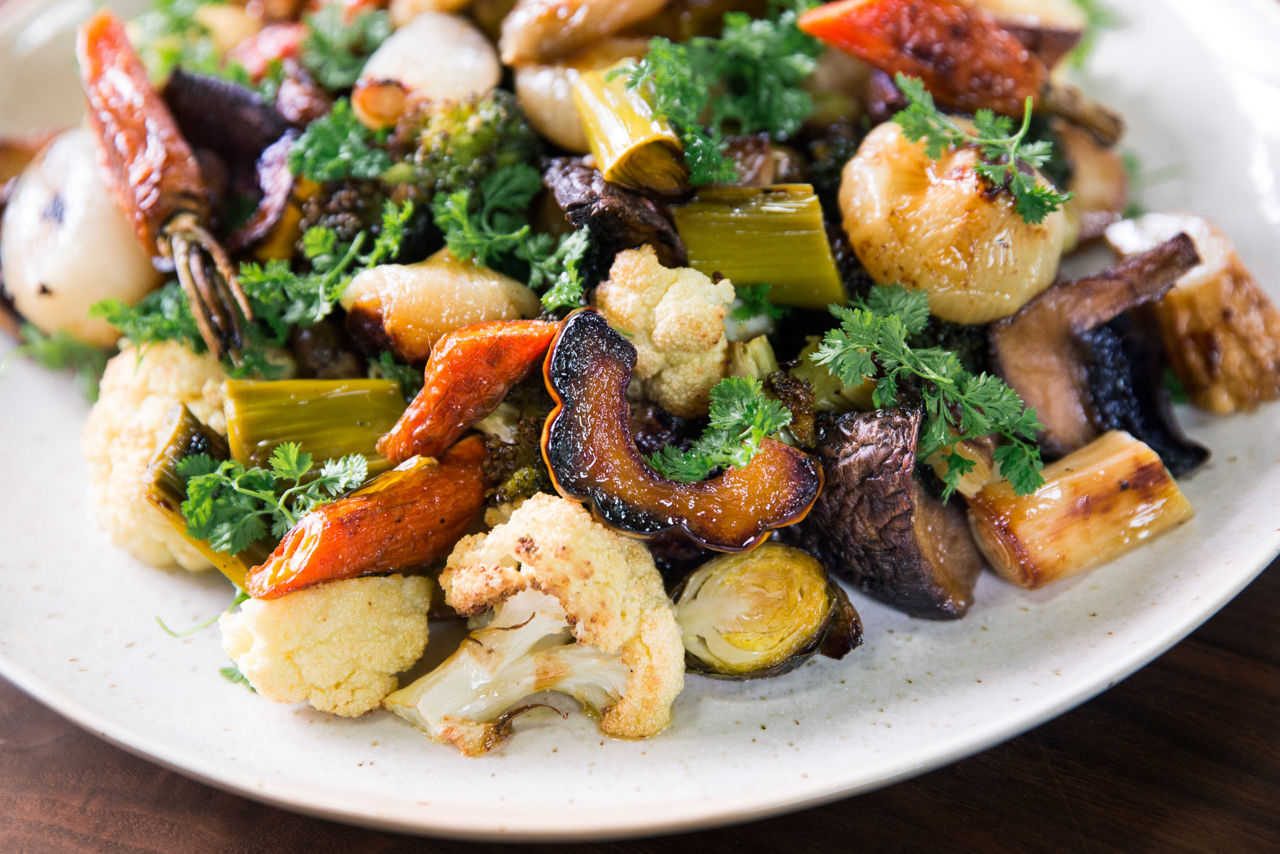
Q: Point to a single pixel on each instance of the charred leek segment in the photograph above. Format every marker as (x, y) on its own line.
(632, 146)
(1096, 504)
(1219, 328)
(185, 436)
(328, 418)
(762, 613)
(756, 235)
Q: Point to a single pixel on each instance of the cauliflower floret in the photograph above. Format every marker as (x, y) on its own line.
(336, 646)
(577, 609)
(675, 319)
(138, 390)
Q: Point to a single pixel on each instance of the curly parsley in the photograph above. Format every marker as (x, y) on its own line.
(1006, 160)
(336, 146)
(335, 49)
(60, 351)
(746, 81)
(741, 419)
(494, 232)
(231, 507)
(871, 341)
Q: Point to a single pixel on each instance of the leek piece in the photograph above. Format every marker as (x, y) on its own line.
(763, 235)
(328, 418)
(184, 437)
(632, 146)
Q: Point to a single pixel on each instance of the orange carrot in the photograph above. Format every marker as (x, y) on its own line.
(965, 59)
(468, 374)
(402, 520)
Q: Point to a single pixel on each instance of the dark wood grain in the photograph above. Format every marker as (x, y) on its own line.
(1182, 756)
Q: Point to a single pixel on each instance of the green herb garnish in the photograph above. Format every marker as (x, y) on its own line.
(746, 81)
(755, 302)
(494, 232)
(388, 367)
(741, 418)
(871, 341)
(231, 507)
(335, 49)
(1005, 161)
(337, 146)
(232, 674)
(60, 351)
(1097, 19)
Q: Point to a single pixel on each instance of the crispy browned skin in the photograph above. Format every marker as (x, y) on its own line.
(588, 447)
(1039, 351)
(469, 373)
(150, 168)
(960, 53)
(404, 519)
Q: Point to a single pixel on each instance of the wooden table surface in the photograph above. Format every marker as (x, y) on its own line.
(1182, 756)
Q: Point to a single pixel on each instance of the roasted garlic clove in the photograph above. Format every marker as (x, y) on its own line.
(1096, 504)
(1220, 330)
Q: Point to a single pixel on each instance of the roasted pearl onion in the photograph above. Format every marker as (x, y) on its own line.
(935, 225)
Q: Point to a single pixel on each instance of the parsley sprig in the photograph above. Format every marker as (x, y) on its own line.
(871, 341)
(338, 145)
(232, 507)
(754, 302)
(741, 419)
(282, 299)
(493, 231)
(746, 81)
(1006, 161)
(335, 49)
(60, 351)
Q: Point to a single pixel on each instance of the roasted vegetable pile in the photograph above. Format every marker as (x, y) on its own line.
(645, 354)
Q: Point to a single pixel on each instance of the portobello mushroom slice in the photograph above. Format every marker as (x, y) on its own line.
(618, 218)
(1043, 351)
(876, 527)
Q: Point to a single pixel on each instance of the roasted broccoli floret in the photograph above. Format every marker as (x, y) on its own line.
(450, 146)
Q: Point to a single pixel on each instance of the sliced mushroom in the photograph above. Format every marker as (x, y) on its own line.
(618, 218)
(877, 528)
(1042, 350)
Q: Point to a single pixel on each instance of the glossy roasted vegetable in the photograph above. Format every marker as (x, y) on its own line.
(875, 526)
(588, 447)
(469, 373)
(762, 613)
(963, 56)
(756, 235)
(1042, 352)
(402, 520)
(632, 145)
(187, 436)
(328, 418)
(1096, 504)
(1220, 330)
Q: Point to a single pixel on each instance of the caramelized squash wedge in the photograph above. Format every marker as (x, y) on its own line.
(593, 458)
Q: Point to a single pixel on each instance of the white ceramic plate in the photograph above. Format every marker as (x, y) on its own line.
(1200, 84)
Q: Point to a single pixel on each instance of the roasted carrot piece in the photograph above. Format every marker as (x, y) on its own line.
(468, 374)
(404, 519)
(965, 59)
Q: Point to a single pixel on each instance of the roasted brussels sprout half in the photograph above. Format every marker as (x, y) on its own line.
(762, 613)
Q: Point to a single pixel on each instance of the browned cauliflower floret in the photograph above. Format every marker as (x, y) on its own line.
(139, 389)
(675, 319)
(336, 646)
(576, 608)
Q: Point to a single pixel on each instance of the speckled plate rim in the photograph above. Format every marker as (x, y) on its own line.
(606, 823)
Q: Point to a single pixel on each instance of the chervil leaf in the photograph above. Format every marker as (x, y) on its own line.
(741, 418)
(1006, 161)
(746, 81)
(872, 341)
(337, 146)
(232, 507)
(755, 302)
(335, 49)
